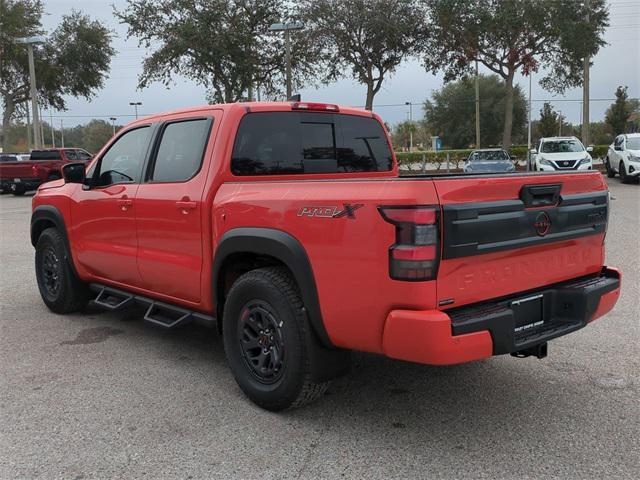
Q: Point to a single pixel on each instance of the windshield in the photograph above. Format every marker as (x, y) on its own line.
(488, 156)
(633, 143)
(562, 146)
(8, 158)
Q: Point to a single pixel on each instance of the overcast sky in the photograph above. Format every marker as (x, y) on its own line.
(618, 63)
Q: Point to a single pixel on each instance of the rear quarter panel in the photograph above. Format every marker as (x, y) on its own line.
(349, 256)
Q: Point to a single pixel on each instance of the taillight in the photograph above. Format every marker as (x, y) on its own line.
(415, 255)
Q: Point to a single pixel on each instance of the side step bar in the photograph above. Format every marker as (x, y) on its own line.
(159, 313)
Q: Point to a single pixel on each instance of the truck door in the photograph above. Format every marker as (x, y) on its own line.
(169, 208)
(103, 215)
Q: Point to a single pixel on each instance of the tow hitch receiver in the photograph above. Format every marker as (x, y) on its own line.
(538, 351)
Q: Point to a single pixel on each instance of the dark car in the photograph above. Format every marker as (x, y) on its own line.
(489, 160)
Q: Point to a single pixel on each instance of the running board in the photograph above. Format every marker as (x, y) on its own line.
(159, 313)
(112, 299)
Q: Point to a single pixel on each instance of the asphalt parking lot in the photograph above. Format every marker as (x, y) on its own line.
(97, 395)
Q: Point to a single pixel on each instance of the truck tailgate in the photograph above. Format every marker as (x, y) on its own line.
(11, 170)
(509, 234)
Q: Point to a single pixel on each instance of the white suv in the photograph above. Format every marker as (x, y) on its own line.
(555, 154)
(623, 157)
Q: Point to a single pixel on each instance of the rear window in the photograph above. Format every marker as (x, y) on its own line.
(45, 155)
(281, 143)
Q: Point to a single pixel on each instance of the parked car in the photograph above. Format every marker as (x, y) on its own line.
(286, 226)
(561, 153)
(623, 157)
(21, 176)
(489, 160)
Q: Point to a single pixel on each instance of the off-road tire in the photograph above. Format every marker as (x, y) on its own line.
(275, 290)
(71, 294)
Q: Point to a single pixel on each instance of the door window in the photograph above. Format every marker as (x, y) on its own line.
(122, 163)
(181, 150)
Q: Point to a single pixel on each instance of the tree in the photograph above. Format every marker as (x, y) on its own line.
(95, 135)
(450, 113)
(508, 36)
(223, 45)
(367, 38)
(73, 62)
(548, 123)
(618, 113)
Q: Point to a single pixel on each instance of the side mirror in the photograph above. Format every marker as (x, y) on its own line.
(618, 148)
(534, 151)
(590, 148)
(512, 157)
(74, 172)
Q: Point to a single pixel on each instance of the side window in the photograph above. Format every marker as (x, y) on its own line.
(280, 143)
(181, 150)
(363, 145)
(122, 163)
(71, 155)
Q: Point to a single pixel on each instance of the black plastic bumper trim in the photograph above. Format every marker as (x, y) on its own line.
(567, 306)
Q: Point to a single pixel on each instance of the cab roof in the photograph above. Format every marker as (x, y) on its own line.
(263, 107)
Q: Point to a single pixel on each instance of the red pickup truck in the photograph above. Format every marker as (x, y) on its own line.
(43, 165)
(288, 224)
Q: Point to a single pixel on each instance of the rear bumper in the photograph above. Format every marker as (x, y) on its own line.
(478, 331)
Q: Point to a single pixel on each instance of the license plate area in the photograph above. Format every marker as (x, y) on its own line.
(529, 314)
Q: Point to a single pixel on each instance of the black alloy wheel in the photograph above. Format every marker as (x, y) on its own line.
(51, 271)
(261, 341)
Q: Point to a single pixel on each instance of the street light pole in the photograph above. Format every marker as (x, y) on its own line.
(529, 128)
(560, 124)
(30, 42)
(410, 125)
(286, 28)
(53, 130)
(477, 108)
(113, 124)
(34, 98)
(135, 106)
(585, 91)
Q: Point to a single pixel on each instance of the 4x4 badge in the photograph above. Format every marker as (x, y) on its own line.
(331, 212)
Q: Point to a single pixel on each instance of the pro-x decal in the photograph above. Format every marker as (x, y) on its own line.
(331, 212)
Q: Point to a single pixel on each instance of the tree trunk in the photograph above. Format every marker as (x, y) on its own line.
(508, 110)
(370, 94)
(9, 108)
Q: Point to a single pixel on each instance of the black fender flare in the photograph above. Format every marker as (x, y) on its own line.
(50, 214)
(283, 247)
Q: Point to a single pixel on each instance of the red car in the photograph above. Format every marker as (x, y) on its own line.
(287, 226)
(19, 177)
